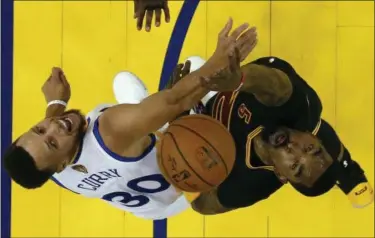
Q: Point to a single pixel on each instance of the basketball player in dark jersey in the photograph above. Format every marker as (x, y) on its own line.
(275, 120)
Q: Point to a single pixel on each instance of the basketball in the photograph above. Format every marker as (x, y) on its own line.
(196, 153)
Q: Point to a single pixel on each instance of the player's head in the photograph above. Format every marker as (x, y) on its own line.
(46, 148)
(297, 156)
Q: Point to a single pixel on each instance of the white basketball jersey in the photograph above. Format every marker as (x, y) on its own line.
(135, 185)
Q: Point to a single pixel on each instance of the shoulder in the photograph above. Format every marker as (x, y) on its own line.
(98, 110)
(276, 63)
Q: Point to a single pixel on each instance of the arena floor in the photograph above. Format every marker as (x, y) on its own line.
(331, 44)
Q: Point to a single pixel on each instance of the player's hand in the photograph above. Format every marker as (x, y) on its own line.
(179, 72)
(246, 43)
(230, 51)
(227, 78)
(243, 38)
(56, 87)
(148, 8)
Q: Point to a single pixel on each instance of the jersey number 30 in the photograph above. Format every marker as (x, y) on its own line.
(129, 200)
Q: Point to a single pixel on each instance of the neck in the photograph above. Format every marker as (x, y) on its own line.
(261, 150)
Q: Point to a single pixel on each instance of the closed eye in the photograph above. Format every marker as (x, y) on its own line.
(38, 130)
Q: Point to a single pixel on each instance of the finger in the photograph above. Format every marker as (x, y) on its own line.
(178, 69)
(140, 15)
(135, 8)
(157, 17)
(55, 75)
(247, 37)
(186, 69)
(245, 51)
(246, 43)
(238, 31)
(63, 79)
(228, 26)
(149, 19)
(177, 73)
(166, 12)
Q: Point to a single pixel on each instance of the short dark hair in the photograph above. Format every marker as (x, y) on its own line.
(21, 167)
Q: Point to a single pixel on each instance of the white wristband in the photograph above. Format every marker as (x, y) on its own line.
(57, 102)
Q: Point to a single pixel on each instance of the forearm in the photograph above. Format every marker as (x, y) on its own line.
(270, 86)
(208, 204)
(55, 110)
(129, 123)
(172, 102)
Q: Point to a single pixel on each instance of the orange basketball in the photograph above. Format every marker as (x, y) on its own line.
(196, 153)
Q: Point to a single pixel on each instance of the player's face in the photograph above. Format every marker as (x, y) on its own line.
(53, 142)
(298, 156)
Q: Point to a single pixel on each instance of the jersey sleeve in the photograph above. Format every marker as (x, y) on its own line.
(303, 109)
(239, 192)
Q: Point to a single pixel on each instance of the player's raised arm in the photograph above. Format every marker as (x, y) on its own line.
(128, 123)
(56, 91)
(270, 86)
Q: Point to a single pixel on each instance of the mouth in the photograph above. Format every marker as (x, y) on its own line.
(66, 123)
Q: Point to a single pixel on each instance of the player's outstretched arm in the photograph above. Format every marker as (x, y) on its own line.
(125, 124)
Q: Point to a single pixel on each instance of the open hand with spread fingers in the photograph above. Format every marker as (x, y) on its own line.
(222, 71)
(144, 10)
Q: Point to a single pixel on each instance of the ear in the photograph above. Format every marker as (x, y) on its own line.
(63, 165)
(282, 178)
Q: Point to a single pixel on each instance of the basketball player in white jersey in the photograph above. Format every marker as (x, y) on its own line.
(110, 154)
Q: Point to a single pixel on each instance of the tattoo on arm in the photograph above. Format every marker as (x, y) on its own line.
(208, 204)
(271, 87)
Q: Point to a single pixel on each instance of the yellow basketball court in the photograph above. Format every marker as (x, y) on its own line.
(331, 45)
